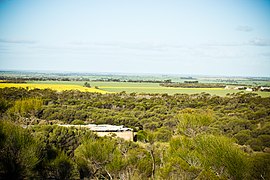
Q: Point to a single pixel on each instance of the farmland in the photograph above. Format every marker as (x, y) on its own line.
(130, 83)
(57, 87)
(116, 87)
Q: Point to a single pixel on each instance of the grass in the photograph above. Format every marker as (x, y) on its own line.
(155, 88)
(111, 87)
(168, 90)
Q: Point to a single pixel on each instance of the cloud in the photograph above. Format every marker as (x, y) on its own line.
(220, 44)
(141, 46)
(17, 41)
(259, 42)
(126, 45)
(252, 42)
(266, 54)
(244, 28)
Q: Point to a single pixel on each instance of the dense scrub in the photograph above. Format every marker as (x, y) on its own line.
(181, 136)
(245, 117)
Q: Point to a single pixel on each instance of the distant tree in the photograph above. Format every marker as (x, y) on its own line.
(86, 84)
(167, 81)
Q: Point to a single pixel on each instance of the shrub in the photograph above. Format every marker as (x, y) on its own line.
(255, 143)
(243, 136)
(163, 134)
(77, 122)
(265, 139)
(19, 152)
(220, 154)
(260, 166)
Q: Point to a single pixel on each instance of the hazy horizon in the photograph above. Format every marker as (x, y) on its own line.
(126, 74)
(211, 38)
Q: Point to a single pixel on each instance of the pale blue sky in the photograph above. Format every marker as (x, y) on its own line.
(203, 37)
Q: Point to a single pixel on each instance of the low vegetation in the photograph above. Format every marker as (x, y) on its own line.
(179, 136)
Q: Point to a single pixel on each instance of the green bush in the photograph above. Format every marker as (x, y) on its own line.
(163, 134)
(19, 152)
(97, 156)
(142, 136)
(259, 166)
(265, 139)
(243, 136)
(26, 107)
(77, 122)
(220, 154)
(193, 122)
(255, 143)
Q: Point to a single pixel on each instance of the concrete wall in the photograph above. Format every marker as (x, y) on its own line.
(127, 135)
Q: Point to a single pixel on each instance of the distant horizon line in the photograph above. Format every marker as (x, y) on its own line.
(129, 73)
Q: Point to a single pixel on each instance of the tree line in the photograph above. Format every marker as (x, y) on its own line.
(193, 84)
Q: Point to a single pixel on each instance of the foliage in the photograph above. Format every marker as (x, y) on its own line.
(77, 122)
(61, 138)
(206, 114)
(220, 154)
(4, 105)
(180, 136)
(215, 156)
(61, 167)
(243, 136)
(97, 157)
(19, 152)
(181, 159)
(26, 107)
(163, 134)
(193, 122)
(86, 84)
(260, 166)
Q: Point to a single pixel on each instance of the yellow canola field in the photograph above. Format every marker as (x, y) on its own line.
(57, 87)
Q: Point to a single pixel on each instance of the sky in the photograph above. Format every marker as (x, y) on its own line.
(194, 37)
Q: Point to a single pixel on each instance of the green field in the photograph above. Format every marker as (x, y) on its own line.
(115, 87)
(145, 88)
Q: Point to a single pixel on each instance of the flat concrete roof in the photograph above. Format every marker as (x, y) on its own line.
(100, 127)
